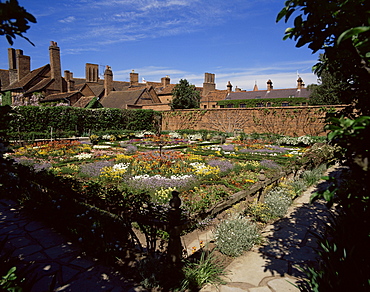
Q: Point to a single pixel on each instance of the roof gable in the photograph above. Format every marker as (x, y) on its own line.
(31, 79)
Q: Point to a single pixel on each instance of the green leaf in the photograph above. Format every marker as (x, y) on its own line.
(352, 32)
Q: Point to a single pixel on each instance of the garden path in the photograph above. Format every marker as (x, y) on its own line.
(48, 257)
(289, 243)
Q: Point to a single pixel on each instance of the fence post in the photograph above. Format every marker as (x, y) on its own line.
(174, 251)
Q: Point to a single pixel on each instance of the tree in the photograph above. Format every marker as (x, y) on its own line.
(185, 96)
(340, 29)
(14, 20)
(331, 90)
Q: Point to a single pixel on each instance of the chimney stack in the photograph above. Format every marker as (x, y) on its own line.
(229, 87)
(300, 84)
(55, 66)
(19, 65)
(269, 85)
(209, 83)
(108, 80)
(23, 64)
(92, 72)
(13, 75)
(165, 81)
(68, 77)
(134, 78)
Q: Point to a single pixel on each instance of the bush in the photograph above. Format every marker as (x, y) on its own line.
(278, 201)
(236, 235)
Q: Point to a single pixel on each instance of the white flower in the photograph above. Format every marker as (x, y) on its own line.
(83, 156)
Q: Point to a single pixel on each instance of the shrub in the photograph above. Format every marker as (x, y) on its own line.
(278, 201)
(236, 235)
(310, 177)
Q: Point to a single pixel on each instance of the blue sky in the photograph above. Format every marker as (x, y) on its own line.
(237, 40)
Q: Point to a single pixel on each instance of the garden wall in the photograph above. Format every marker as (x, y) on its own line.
(291, 121)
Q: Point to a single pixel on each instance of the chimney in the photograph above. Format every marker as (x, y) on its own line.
(255, 88)
(237, 89)
(55, 66)
(269, 85)
(13, 75)
(23, 64)
(68, 76)
(165, 81)
(300, 84)
(108, 80)
(209, 83)
(92, 72)
(229, 87)
(134, 78)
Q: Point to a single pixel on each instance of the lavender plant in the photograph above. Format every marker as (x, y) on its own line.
(94, 169)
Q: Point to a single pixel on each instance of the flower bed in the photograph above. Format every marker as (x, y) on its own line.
(204, 174)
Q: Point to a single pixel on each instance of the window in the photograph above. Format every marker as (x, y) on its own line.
(213, 106)
(205, 106)
(285, 104)
(268, 104)
(230, 105)
(222, 106)
(260, 104)
(258, 96)
(304, 103)
(242, 105)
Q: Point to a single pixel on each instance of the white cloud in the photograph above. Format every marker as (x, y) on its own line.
(68, 19)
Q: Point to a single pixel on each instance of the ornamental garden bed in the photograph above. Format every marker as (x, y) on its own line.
(204, 172)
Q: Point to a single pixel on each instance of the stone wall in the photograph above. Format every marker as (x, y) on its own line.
(291, 121)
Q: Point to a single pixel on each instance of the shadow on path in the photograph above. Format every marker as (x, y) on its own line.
(292, 238)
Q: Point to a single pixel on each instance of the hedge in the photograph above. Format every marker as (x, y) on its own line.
(292, 101)
(79, 120)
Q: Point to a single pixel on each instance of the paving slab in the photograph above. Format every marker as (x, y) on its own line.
(253, 267)
(283, 284)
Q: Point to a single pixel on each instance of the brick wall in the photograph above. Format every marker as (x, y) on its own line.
(292, 121)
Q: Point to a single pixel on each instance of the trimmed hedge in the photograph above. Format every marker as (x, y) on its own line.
(26, 119)
(274, 102)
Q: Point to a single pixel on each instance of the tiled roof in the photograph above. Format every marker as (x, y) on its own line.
(26, 80)
(97, 89)
(59, 96)
(215, 95)
(165, 90)
(275, 93)
(120, 99)
(40, 85)
(83, 101)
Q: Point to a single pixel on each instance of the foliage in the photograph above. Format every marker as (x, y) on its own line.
(340, 29)
(14, 20)
(197, 273)
(6, 98)
(330, 91)
(7, 281)
(5, 118)
(236, 235)
(185, 96)
(273, 102)
(278, 201)
(62, 119)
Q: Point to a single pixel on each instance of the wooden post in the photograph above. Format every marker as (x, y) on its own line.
(174, 251)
